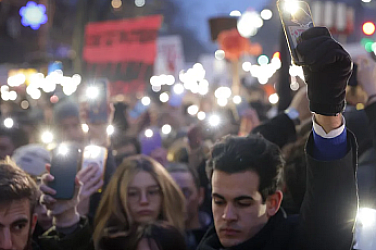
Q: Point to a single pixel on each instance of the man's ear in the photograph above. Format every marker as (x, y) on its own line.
(273, 203)
(201, 195)
(34, 219)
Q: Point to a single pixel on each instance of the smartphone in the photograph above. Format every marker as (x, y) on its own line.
(97, 95)
(95, 154)
(138, 110)
(296, 17)
(65, 163)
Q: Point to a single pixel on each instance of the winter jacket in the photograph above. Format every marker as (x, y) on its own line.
(78, 240)
(327, 215)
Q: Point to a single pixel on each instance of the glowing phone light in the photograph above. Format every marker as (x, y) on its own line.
(292, 6)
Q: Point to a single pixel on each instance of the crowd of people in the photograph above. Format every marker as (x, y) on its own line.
(294, 181)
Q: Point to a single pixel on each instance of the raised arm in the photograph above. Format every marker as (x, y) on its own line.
(330, 204)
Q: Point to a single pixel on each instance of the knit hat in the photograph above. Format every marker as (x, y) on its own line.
(32, 159)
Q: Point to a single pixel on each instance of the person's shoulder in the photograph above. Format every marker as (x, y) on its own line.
(285, 230)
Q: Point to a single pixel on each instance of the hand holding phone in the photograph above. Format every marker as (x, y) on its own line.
(296, 17)
(63, 211)
(91, 179)
(95, 155)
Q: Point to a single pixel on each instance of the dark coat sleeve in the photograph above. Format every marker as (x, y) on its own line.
(80, 239)
(371, 114)
(279, 130)
(330, 203)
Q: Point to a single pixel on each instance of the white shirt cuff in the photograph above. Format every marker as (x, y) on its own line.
(332, 134)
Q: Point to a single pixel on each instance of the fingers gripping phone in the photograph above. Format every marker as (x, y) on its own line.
(296, 17)
(65, 163)
(97, 155)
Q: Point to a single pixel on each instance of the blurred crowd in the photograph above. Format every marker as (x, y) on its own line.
(239, 179)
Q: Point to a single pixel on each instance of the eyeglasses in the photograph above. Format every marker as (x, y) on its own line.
(152, 194)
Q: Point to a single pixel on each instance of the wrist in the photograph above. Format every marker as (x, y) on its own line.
(328, 123)
(67, 219)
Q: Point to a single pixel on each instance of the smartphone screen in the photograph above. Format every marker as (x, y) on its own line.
(97, 96)
(296, 17)
(94, 154)
(65, 163)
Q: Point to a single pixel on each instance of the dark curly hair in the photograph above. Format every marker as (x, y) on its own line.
(253, 153)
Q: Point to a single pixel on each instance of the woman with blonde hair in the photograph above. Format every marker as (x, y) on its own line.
(141, 191)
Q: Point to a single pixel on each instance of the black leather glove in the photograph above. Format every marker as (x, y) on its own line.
(327, 69)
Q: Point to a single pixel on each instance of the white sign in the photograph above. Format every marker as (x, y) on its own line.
(170, 56)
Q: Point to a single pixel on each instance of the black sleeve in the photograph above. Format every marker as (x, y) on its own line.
(330, 203)
(371, 114)
(80, 239)
(279, 130)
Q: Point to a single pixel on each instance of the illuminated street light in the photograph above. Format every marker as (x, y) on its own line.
(369, 28)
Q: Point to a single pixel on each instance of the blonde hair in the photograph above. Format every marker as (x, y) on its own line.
(113, 216)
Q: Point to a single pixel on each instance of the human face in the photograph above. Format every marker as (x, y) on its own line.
(238, 209)
(6, 147)
(144, 198)
(16, 225)
(71, 129)
(191, 192)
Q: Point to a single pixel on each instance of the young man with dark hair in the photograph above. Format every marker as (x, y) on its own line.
(18, 217)
(18, 198)
(245, 171)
